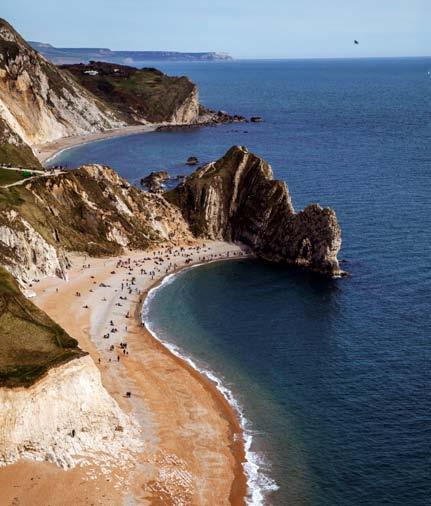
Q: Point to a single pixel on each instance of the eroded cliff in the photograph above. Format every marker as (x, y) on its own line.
(13, 150)
(91, 210)
(236, 199)
(40, 103)
(66, 417)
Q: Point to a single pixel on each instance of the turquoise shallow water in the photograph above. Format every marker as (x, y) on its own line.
(333, 375)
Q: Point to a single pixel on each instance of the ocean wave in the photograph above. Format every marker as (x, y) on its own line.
(259, 483)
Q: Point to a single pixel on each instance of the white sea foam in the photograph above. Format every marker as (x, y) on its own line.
(259, 484)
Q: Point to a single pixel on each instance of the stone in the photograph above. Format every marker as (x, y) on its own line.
(236, 199)
(192, 160)
(154, 181)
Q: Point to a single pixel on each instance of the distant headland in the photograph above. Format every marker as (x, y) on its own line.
(68, 55)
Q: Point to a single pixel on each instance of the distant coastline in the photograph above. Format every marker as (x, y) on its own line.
(63, 55)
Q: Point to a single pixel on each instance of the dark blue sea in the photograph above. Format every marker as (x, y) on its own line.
(333, 376)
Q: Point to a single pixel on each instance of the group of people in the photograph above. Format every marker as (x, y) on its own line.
(156, 263)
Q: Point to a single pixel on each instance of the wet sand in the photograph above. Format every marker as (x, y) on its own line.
(194, 448)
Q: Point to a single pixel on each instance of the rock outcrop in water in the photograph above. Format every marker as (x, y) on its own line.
(236, 199)
(147, 95)
(154, 182)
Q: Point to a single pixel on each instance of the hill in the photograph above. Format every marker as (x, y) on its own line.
(39, 102)
(141, 95)
(30, 342)
(70, 55)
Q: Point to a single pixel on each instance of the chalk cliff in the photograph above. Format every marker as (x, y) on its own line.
(236, 199)
(91, 210)
(13, 150)
(66, 417)
(39, 102)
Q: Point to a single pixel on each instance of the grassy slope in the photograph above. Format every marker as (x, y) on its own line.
(78, 226)
(30, 342)
(8, 176)
(146, 93)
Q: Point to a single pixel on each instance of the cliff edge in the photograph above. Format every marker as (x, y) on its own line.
(53, 404)
(40, 103)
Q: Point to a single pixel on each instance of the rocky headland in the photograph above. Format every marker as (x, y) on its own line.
(66, 55)
(236, 199)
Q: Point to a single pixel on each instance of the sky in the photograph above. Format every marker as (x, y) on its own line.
(242, 28)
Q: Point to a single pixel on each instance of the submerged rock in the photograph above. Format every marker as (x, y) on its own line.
(236, 199)
(192, 160)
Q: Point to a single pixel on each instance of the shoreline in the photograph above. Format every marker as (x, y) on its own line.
(47, 151)
(238, 492)
(185, 417)
(255, 492)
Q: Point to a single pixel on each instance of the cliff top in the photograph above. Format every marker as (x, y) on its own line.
(138, 93)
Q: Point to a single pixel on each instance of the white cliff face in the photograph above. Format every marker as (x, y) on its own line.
(66, 418)
(27, 255)
(39, 102)
(188, 111)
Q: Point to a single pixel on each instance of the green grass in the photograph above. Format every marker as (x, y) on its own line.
(142, 93)
(30, 342)
(8, 176)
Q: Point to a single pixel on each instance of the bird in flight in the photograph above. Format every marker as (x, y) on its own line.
(355, 42)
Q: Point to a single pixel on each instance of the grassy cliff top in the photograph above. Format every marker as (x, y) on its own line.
(138, 93)
(30, 342)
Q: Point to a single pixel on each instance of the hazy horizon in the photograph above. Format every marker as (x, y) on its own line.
(246, 30)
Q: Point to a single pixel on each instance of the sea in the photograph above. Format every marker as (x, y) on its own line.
(332, 377)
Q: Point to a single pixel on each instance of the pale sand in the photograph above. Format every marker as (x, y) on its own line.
(46, 151)
(194, 446)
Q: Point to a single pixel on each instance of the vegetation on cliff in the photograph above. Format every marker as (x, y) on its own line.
(145, 94)
(91, 210)
(41, 103)
(30, 342)
(13, 150)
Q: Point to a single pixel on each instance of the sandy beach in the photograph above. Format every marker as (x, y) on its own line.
(193, 445)
(46, 151)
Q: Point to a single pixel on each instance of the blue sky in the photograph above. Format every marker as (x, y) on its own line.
(244, 28)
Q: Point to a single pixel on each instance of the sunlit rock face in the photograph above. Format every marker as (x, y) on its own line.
(66, 417)
(39, 102)
(236, 199)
